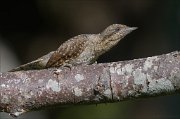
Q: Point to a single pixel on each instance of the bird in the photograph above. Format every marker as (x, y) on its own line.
(81, 49)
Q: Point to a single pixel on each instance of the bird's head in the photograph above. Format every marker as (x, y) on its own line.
(112, 35)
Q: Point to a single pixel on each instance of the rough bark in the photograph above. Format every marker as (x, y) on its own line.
(24, 91)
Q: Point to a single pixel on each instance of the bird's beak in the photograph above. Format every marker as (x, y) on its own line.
(131, 28)
(127, 30)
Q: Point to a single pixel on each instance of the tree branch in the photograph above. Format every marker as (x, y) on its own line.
(24, 91)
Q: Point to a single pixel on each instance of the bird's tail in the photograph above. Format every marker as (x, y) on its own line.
(40, 63)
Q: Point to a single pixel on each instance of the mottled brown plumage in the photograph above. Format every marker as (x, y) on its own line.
(67, 51)
(81, 49)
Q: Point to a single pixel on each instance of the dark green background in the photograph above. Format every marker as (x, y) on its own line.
(33, 28)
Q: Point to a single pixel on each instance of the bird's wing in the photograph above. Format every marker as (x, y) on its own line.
(68, 51)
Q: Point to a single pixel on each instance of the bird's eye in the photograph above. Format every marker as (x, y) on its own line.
(117, 29)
